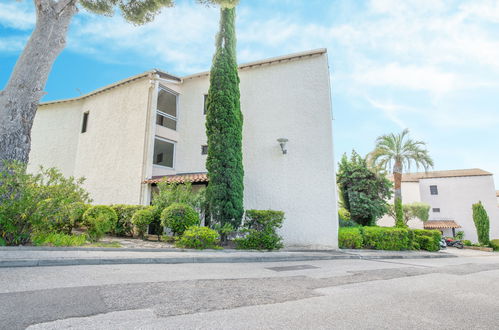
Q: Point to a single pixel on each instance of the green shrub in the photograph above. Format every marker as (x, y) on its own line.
(350, 238)
(155, 227)
(124, 225)
(196, 237)
(170, 193)
(76, 213)
(482, 224)
(422, 239)
(258, 240)
(99, 220)
(460, 235)
(363, 192)
(467, 242)
(58, 239)
(343, 213)
(35, 202)
(348, 223)
(494, 243)
(263, 219)
(178, 217)
(344, 218)
(226, 229)
(141, 220)
(384, 238)
(2, 242)
(260, 230)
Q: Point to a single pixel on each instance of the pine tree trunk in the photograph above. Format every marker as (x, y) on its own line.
(21, 96)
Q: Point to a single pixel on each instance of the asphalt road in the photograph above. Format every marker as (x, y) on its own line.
(457, 293)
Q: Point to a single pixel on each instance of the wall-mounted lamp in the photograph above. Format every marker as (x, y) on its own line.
(282, 143)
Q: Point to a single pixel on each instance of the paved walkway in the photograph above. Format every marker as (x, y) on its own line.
(46, 256)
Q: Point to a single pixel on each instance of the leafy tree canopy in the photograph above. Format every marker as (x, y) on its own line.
(364, 193)
(140, 11)
(412, 211)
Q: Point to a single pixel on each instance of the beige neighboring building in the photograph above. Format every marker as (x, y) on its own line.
(125, 137)
(450, 195)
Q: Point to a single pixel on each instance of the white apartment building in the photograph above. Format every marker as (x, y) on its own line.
(451, 195)
(125, 137)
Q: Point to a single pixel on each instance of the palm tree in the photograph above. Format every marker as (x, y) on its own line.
(399, 151)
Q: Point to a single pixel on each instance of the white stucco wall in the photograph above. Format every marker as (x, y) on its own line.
(290, 100)
(110, 154)
(54, 137)
(455, 198)
(410, 194)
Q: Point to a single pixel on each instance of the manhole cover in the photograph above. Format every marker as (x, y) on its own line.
(289, 268)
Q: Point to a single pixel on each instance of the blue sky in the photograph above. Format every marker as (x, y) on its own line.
(429, 65)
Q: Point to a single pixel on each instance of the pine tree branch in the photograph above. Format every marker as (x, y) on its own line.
(63, 4)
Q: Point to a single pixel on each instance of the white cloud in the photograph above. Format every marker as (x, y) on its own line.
(17, 15)
(12, 44)
(412, 77)
(488, 10)
(181, 38)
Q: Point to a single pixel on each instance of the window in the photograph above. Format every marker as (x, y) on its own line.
(165, 121)
(167, 109)
(84, 122)
(204, 103)
(164, 152)
(204, 150)
(436, 210)
(433, 190)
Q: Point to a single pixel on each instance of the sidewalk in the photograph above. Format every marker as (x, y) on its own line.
(48, 256)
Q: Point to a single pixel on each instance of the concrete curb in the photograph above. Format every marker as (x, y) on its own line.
(41, 262)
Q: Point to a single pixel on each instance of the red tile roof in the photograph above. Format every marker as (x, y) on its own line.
(440, 224)
(180, 178)
(415, 177)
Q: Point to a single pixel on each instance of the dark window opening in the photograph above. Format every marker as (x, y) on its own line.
(159, 158)
(433, 190)
(167, 109)
(204, 150)
(204, 104)
(436, 210)
(166, 121)
(84, 123)
(164, 152)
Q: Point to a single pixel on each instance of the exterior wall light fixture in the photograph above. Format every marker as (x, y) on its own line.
(282, 143)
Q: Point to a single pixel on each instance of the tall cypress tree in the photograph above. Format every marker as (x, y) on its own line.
(482, 223)
(224, 124)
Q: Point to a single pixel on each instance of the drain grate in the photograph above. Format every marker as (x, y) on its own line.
(289, 268)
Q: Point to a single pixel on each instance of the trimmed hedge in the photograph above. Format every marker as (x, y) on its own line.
(494, 243)
(260, 230)
(423, 239)
(124, 225)
(98, 220)
(199, 238)
(350, 238)
(141, 219)
(380, 238)
(178, 217)
(388, 238)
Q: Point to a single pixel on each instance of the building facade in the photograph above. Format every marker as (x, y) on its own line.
(125, 137)
(451, 195)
